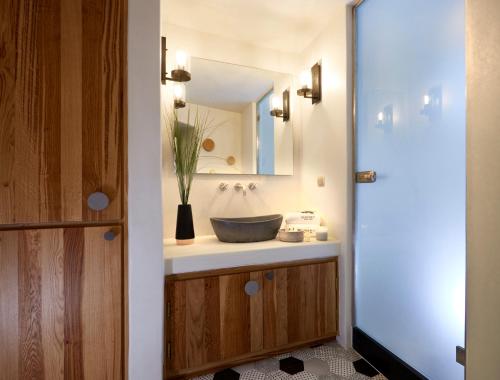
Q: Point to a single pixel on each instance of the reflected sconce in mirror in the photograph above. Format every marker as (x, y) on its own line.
(179, 95)
(310, 84)
(432, 103)
(181, 71)
(385, 118)
(280, 107)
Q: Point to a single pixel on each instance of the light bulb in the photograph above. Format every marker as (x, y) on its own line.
(181, 60)
(179, 92)
(305, 79)
(276, 103)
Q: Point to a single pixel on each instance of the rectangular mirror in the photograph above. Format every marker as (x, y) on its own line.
(244, 138)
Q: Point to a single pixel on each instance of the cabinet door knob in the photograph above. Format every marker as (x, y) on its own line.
(98, 201)
(252, 288)
(109, 235)
(269, 275)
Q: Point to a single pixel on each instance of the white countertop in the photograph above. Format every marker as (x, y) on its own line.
(209, 253)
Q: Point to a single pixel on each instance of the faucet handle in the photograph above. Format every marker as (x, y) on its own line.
(252, 186)
(223, 186)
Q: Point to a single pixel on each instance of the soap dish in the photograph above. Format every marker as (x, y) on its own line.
(291, 236)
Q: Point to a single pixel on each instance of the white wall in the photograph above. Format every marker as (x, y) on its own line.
(248, 139)
(326, 150)
(145, 250)
(483, 187)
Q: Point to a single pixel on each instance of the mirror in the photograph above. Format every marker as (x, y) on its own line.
(244, 138)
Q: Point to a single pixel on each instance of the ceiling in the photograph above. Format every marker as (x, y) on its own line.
(226, 86)
(284, 25)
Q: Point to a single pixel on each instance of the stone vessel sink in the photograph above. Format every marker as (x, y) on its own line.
(247, 230)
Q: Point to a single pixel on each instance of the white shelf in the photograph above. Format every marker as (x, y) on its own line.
(208, 253)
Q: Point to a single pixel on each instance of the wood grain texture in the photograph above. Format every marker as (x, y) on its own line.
(213, 323)
(62, 95)
(9, 305)
(61, 304)
(275, 304)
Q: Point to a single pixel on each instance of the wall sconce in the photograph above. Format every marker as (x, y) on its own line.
(310, 84)
(280, 107)
(179, 95)
(181, 71)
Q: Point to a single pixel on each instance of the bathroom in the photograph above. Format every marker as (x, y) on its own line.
(231, 189)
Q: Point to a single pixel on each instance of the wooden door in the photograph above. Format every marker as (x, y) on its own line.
(212, 319)
(300, 304)
(62, 96)
(61, 304)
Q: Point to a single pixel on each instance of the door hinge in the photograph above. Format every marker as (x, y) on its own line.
(169, 351)
(460, 355)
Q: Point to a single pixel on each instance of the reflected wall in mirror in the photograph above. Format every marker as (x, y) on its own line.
(244, 138)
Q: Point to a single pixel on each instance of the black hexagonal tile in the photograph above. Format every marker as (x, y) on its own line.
(291, 365)
(227, 374)
(363, 367)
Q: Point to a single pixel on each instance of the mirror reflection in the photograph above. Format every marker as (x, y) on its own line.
(245, 138)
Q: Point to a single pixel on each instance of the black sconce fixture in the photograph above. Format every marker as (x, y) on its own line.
(181, 72)
(310, 83)
(281, 107)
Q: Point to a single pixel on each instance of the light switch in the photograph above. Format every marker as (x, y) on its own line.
(321, 181)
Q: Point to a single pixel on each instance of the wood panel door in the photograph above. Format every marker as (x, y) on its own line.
(61, 304)
(62, 97)
(212, 319)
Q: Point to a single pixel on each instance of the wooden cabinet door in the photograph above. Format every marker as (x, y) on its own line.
(300, 304)
(62, 109)
(61, 304)
(212, 319)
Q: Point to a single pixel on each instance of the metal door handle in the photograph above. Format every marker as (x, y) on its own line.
(369, 176)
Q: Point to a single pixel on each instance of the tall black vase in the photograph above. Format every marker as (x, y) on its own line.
(184, 231)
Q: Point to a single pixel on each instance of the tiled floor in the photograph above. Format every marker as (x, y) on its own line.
(325, 362)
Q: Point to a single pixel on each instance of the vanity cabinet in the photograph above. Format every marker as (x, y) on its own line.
(61, 303)
(225, 317)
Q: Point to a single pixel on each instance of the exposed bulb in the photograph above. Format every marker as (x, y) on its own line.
(179, 92)
(276, 103)
(181, 60)
(305, 79)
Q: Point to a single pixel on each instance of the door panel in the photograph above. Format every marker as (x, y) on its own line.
(410, 222)
(61, 109)
(60, 304)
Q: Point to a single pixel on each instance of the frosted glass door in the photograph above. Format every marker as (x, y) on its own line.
(410, 223)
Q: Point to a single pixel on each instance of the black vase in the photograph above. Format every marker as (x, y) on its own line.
(184, 231)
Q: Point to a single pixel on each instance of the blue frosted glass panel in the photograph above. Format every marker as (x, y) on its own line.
(410, 224)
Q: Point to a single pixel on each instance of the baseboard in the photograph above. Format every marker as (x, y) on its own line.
(382, 359)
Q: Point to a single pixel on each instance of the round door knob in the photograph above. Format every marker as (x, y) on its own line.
(109, 235)
(269, 276)
(252, 288)
(98, 201)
